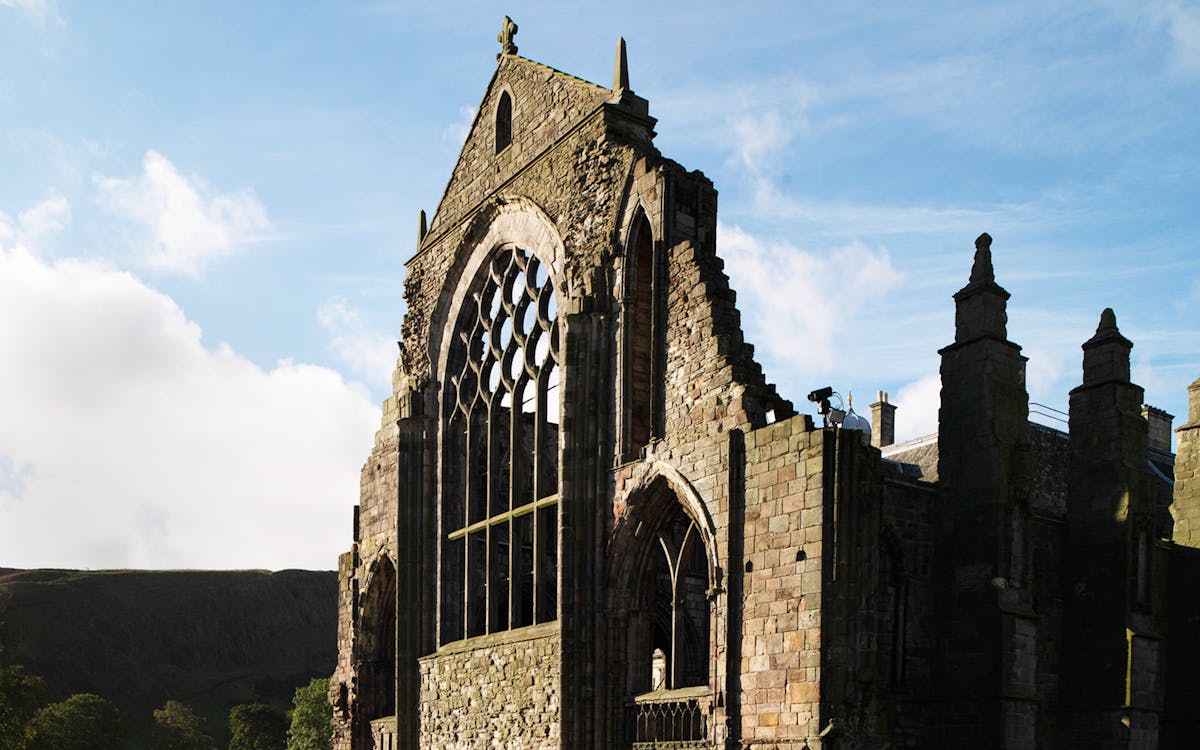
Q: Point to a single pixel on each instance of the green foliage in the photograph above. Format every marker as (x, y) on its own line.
(81, 722)
(176, 727)
(21, 697)
(312, 715)
(254, 726)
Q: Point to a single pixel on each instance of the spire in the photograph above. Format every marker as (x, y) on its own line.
(507, 31)
(422, 228)
(981, 269)
(620, 68)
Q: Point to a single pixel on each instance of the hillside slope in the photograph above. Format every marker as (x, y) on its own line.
(212, 639)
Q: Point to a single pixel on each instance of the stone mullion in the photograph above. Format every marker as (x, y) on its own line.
(514, 448)
(539, 457)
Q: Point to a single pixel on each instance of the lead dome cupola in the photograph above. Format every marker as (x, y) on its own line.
(853, 420)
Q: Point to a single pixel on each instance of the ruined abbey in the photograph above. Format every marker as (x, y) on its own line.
(589, 522)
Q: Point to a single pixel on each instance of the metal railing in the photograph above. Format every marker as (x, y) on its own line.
(1058, 419)
(671, 719)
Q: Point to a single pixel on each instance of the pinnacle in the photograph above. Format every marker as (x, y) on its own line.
(1107, 331)
(621, 68)
(982, 269)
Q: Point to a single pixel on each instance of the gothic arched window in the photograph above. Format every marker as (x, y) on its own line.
(675, 588)
(643, 340)
(499, 514)
(503, 122)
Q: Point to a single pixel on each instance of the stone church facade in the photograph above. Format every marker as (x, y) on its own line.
(589, 522)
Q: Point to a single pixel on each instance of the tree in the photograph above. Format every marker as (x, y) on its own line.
(312, 717)
(81, 722)
(176, 727)
(254, 726)
(21, 696)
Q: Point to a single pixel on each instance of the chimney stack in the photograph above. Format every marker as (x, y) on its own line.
(883, 422)
(1159, 427)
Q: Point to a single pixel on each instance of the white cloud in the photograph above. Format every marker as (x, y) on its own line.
(1184, 26)
(760, 139)
(917, 407)
(40, 12)
(457, 131)
(864, 219)
(184, 226)
(795, 303)
(36, 223)
(126, 442)
(369, 353)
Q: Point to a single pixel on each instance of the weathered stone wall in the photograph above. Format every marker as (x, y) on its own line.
(841, 588)
(375, 541)
(576, 181)
(1181, 724)
(546, 105)
(498, 695)
(343, 675)
(1111, 663)
(1185, 507)
(904, 605)
(780, 668)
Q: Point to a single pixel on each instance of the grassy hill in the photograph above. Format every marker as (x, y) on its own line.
(212, 639)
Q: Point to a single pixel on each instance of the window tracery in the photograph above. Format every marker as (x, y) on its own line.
(500, 476)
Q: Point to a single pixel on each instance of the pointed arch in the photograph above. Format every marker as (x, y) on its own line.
(642, 369)
(504, 110)
(499, 365)
(664, 575)
(375, 648)
(653, 484)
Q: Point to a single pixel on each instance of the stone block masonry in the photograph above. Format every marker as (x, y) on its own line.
(588, 520)
(499, 695)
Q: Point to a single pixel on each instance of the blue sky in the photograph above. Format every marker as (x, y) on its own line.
(206, 209)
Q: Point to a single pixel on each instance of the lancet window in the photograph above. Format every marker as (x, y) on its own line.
(499, 514)
(503, 122)
(643, 340)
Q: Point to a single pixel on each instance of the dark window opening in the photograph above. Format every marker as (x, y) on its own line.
(643, 363)
(500, 495)
(377, 648)
(1145, 552)
(676, 582)
(503, 122)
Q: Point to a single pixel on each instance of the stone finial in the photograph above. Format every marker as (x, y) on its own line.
(981, 269)
(981, 305)
(1106, 354)
(507, 31)
(422, 228)
(620, 68)
(1107, 330)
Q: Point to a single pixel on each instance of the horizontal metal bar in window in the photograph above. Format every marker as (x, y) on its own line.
(500, 518)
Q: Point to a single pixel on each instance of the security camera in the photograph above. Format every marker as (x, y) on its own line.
(821, 394)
